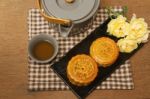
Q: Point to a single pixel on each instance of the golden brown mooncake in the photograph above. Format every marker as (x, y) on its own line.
(82, 70)
(104, 51)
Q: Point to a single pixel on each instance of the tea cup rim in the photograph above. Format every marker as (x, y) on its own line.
(43, 37)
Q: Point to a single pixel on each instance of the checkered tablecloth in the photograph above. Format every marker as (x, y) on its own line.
(42, 77)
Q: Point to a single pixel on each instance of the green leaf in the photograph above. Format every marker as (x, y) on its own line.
(111, 13)
(125, 10)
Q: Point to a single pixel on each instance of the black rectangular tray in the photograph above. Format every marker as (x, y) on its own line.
(83, 48)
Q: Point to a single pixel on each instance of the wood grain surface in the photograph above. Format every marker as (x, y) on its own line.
(14, 64)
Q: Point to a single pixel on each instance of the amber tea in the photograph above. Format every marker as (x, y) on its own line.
(43, 50)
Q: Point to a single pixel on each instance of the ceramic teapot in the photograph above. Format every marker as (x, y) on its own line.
(68, 13)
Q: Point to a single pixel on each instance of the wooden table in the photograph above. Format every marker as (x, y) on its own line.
(14, 63)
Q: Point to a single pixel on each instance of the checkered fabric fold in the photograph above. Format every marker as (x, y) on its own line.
(42, 77)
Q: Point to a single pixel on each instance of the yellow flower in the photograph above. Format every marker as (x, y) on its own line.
(138, 30)
(118, 27)
(133, 33)
(127, 45)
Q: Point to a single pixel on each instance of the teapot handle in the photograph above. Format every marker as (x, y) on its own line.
(53, 19)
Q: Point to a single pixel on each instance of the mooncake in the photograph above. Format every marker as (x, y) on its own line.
(104, 51)
(82, 70)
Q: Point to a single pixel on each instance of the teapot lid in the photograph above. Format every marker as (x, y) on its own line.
(69, 9)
